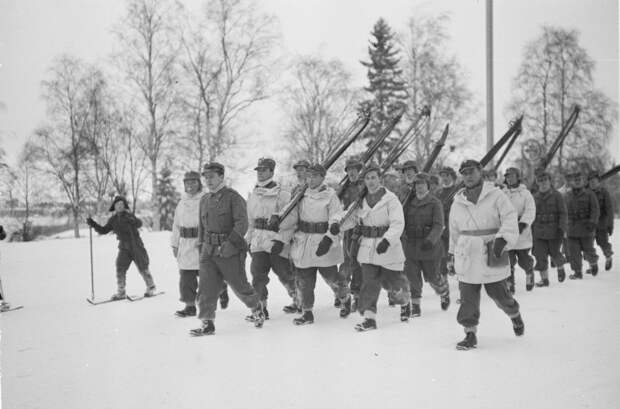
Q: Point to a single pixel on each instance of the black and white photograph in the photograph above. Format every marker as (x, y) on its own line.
(309, 204)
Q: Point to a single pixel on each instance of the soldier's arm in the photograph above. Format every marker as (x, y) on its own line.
(287, 230)
(609, 209)
(250, 232)
(529, 213)
(438, 223)
(397, 222)
(595, 210)
(201, 210)
(454, 232)
(105, 229)
(240, 220)
(334, 210)
(176, 232)
(509, 228)
(562, 212)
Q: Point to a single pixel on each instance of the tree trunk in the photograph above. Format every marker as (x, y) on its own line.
(154, 195)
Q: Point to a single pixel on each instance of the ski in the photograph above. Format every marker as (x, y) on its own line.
(18, 307)
(140, 297)
(94, 302)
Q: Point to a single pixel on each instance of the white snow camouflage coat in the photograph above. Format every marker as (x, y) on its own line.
(524, 204)
(493, 210)
(387, 212)
(186, 215)
(317, 205)
(263, 203)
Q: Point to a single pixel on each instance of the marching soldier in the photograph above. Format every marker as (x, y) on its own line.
(351, 269)
(223, 225)
(315, 247)
(522, 200)
(424, 223)
(548, 229)
(483, 223)
(605, 227)
(583, 214)
(445, 194)
(268, 251)
(408, 169)
(184, 242)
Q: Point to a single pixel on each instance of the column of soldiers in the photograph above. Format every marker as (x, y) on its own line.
(479, 233)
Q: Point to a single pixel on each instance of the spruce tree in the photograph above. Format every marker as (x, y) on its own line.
(385, 84)
(168, 198)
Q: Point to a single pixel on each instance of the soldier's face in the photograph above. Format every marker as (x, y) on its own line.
(511, 179)
(263, 174)
(410, 173)
(372, 181)
(315, 179)
(446, 179)
(471, 176)
(391, 182)
(578, 182)
(595, 183)
(192, 186)
(353, 174)
(544, 184)
(213, 179)
(421, 189)
(301, 174)
(119, 206)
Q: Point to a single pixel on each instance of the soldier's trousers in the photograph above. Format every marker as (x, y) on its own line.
(415, 269)
(469, 310)
(375, 277)
(602, 240)
(523, 258)
(306, 280)
(214, 272)
(577, 246)
(261, 263)
(123, 261)
(545, 248)
(188, 286)
(350, 268)
(443, 266)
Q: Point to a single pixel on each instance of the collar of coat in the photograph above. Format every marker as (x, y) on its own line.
(488, 188)
(269, 183)
(320, 192)
(519, 188)
(267, 189)
(385, 198)
(191, 198)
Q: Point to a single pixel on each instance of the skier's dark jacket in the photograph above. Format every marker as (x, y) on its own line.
(125, 225)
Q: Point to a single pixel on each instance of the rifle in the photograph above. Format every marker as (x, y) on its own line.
(559, 140)
(610, 172)
(514, 137)
(360, 124)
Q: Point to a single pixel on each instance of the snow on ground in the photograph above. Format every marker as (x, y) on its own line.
(61, 352)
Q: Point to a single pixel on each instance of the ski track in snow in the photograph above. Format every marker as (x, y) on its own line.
(61, 352)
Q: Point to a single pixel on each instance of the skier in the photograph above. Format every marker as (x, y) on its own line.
(184, 242)
(424, 223)
(523, 202)
(548, 229)
(483, 224)
(605, 226)
(445, 195)
(380, 221)
(4, 306)
(350, 268)
(223, 225)
(130, 246)
(583, 215)
(315, 247)
(267, 251)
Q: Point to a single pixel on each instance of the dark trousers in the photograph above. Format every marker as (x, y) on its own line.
(373, 278)
(306, 280)
(261, 263)
(124, 259)
(416, 269)
(602, 240)
(214, 272)
(469, 311)
(577, 246)
(443, 266)
(543, 249)
(350, 268)
(188, 286)
(523, 258)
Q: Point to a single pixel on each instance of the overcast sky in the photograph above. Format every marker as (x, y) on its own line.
(33, 32)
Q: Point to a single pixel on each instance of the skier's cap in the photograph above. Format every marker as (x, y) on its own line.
(353, 163)
(594, 175)
(317, 168)
(213, 167)
(267, 163)
(191, 175)
(447, 170)
(512, 171)
(371, 168)
(301, 164)
(118, 199)
(468, 164)
(410, 164)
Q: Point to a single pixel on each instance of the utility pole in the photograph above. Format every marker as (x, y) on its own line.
(489, 54)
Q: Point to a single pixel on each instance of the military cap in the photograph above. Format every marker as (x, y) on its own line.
(410, 164)
(513, 171)
(213, 166)
(266, 163)
(353, 163)
(191, 175)
(317, 168)
(301, 164)
(118, 199)
(448, 171)
(468, 164)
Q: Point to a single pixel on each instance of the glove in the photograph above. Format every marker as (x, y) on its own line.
(450, 264)
(334, 229)
(175, 251)
(2, 233)
(498, 246)
(90, 222)
(274, 223)
(426, 245)
(324, 246)
(277, 247)
(610, 230)
(522, 227)
(382, 246)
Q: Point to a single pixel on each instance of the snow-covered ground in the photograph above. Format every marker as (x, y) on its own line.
(61, 352)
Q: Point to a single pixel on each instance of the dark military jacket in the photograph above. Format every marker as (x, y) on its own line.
(223, 223)
(583, 212)
(125, 226)
(551, 217)
(350, 191)
(423, 220)
(404, 190)
(606, 207)
(446, 197)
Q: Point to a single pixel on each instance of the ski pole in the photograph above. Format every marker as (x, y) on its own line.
(92, 276)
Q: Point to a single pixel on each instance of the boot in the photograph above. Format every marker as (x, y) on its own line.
(345, 308)
(119, 295)
(529, 281)
(469, 342)
(415, 310)
(306, 318)
(445, 302)
(252, 316)
(366, 325)
(224, 299)
(150, 291)
(561, 274)
(291, 309)
(405, 312)
(259, 315)
(593, 270)
(354, 303)
(188, 311)
(207, 329)
(608, 262)
(517, 325)
(544, 279)
(576, 275)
